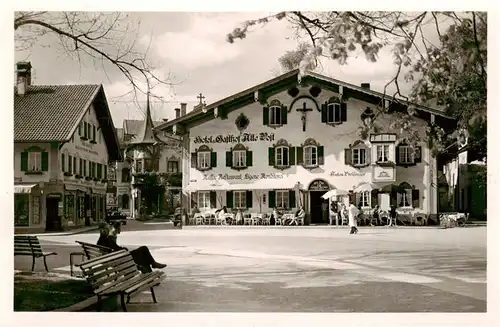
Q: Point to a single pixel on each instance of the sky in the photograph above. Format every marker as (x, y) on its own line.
(191, 49)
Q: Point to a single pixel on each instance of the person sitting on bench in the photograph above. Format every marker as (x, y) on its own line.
(142, 256)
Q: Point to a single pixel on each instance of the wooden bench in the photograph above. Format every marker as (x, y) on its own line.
(30, 246)
(90, 251)
(116, 273)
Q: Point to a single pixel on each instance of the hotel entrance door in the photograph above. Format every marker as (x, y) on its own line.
(317, 214)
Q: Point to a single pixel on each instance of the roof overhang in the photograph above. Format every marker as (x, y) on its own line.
(260, 93)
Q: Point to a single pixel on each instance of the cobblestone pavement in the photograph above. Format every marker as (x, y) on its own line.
(305, 269)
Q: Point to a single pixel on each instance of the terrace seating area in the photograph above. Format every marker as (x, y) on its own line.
(211, 217)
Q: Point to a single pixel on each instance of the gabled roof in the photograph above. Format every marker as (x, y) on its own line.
(289, 80)
(51, 113)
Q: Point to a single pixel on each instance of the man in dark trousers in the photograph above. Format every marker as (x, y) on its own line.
(142, 256)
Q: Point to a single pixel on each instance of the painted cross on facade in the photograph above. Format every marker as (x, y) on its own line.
(304, 111)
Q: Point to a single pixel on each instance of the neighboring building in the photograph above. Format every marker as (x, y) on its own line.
(461, 189)
(63, 139)
(284, 143)
(135, 137)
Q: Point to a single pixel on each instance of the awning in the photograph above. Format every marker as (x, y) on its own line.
(70, 187)
(364, 187)
(229, 185)
(333, 193)
(26, 188)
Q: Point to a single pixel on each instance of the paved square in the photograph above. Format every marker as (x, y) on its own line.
(311, 269)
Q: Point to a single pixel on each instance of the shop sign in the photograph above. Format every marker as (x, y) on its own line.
(231, 138)
(86, 149)
(246, 176)
(347, 173)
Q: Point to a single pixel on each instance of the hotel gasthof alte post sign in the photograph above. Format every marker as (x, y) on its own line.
(288, 141)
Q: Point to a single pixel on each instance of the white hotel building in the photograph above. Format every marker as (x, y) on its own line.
(285, 142)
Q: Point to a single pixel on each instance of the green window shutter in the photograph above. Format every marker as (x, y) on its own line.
(249, 158)
(265, 115)
(348, 156)
(74, 165)
(81, 167)
(324, 113)
(85, 168)
(418, 154)
(343, 112)
(321, 156)
(415, 198)
(272, 199)
(70, 164)
(213, 199)
(80, 129)
(84, 129)
(271, 157)
(299, 155)
(374, 200)
(229, 199)
(105, 172)
(45, 161)
(398, 162)
(291, 197)
(229, 159)
(62, 163)
(291, 156)
(24, 161)
(249, 199)
(284, 115)
(213, 159)
(352, 197)
(93, 132)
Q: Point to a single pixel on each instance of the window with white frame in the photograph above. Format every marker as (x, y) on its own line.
(275, 115)
(404, 199)
(172, 166)
(34, 161)
(282, 156)
(405, 154)
(364, 199)
(310, 155)
(204, 200)
(240, 198)
(282, 199)
(333, 113)
(358, 156)
(382, 152)
(239, 158)
(203, 159)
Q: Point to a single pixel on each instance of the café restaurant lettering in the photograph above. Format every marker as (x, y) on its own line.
(246, 176)
(347, 173)
(231, 138)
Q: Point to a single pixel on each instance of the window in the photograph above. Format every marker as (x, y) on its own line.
(125, 201)
(239, 158)
(89, 131)
(70, 164)
(34, 161)
(81, 167)
(204, 160)
(275, 115)
(240, 199)
(204, 200)
(405, 154)
(404, 199)
(84, 167)
(364, 199)
(125, 175)
(358, 157)
(172, 166)
(382, 152)
(282, 199)
(333, 113)
(310, 156)
(138, 166)
(63, 164)
(282, 156)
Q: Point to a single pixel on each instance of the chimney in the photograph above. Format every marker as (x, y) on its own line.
(365, 85)
(177, 113)
(23, 76)
(183, 109)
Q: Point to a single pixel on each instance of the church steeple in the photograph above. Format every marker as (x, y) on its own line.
(145, 135)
